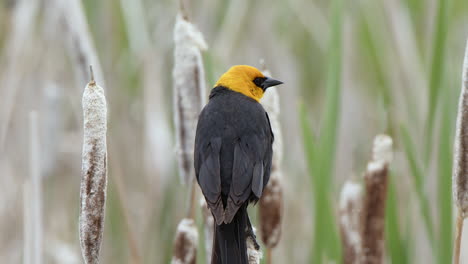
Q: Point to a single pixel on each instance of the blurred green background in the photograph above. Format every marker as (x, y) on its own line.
(352, 69)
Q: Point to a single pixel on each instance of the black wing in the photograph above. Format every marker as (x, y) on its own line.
(251, 166)
(209, 177)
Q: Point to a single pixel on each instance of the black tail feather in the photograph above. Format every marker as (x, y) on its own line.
(229, 243)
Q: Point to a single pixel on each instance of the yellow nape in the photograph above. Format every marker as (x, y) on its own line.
(240, 78)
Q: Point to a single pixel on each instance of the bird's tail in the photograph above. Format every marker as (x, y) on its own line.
(229, 243)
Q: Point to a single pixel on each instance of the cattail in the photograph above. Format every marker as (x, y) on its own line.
(36, 188)
(271, 202)
(350, 216)
(460, 157)
(185, 245)
(189, 98)
(189, 90)
(208, 222)
(254, 254)
(271, 209)
(373, 213)
(94, 171)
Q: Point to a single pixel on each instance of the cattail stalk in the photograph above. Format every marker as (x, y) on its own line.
(35, 170)
(350, 216)
(373, 214)
(271, 202)
(122, 197)
(94, 171)
(185, 245)
(458, 236)
(460, 164)
(27, 224)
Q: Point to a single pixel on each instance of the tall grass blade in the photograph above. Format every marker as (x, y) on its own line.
(436, 72)
(444, 186)
(328, 138)
(418, 179)
(396, 246)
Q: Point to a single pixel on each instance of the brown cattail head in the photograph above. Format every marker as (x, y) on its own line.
(271, 202)
(185, 245)
(94, 172)
(460, 159)
(350, 217)
(373, 215)
(189, 90)
(271, 210)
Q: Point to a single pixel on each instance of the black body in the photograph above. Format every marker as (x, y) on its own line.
(233, 152)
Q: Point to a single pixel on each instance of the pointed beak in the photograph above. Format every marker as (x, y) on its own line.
(269, 82)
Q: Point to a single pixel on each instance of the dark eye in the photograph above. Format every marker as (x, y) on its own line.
(258, 81)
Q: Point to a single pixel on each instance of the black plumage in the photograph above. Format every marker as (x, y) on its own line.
(233, 152)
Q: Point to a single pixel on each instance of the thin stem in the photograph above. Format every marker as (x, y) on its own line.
(135, 255)
(123, 198)
(92, 74)
(183, 9)
(456, 255)
(268, 255)
(36, 199)
(192, 203)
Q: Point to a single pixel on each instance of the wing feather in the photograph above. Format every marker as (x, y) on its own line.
(209, 178)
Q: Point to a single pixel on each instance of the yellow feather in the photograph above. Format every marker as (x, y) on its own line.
(240, 78)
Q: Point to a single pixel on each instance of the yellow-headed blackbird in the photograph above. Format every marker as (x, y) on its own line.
(233, 151)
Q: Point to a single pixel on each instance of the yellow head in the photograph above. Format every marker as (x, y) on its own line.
(246, 80)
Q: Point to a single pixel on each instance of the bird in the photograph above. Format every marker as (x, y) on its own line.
(232, 157)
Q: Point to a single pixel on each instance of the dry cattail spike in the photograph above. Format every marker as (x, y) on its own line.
(189, 90)
(254, 254)
(271, 202)
(350, 216)
(185, 245)
(270, 210)
(208, 222)
(94, 172)
(373, 212)
(460, 153)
